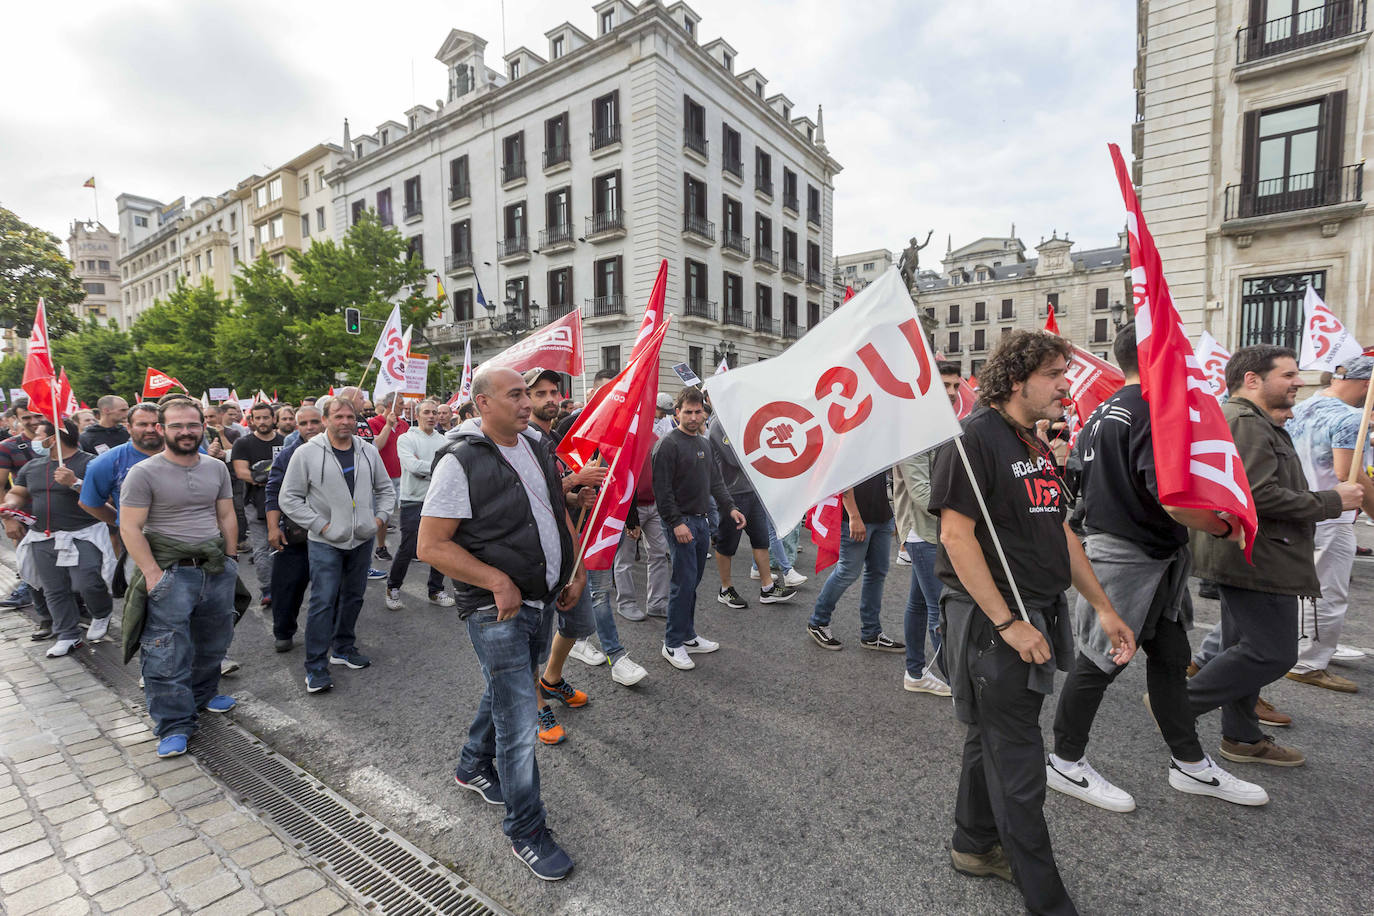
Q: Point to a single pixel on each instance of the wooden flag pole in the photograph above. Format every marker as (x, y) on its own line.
(366, 370)
(1357, 460)
(992, 530)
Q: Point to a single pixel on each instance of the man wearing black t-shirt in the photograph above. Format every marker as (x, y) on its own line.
(1139, 551)
(1001, 665)
(109, 430)
(865, 549)
(251, 459)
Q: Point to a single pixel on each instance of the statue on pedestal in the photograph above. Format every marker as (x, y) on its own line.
(910, 263)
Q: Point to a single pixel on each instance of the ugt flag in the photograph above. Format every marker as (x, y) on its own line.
(1326, 343)
(1196, 462)
(843, 403)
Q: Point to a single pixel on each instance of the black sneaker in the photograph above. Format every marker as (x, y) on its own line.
(778, 592)
(823, 637)
(484, 782)
(730, 598)
(883, 643)
(542, 855)
(382, 553)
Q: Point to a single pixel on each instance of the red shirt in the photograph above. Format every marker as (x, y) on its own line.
(390, 460)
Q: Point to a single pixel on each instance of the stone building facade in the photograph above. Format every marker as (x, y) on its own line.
(94, 251)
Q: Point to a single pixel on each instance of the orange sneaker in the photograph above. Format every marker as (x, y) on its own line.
(564, 691)
(550, 732)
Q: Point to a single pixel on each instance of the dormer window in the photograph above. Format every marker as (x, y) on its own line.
(384, 134)
(556, 48)
(787, 112)
(758, 88)
(607, 21)
(689, 27)
(810, 133)
(728, 61)
(358, 150)
(513, 69)
(412, 122)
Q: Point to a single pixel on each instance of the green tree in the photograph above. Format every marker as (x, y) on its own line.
(11, 373)
(31, 266)
(177, 336)
(99, 360)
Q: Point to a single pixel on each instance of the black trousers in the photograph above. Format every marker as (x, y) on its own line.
(1259, 639)
(1167, 654)
(290, 578)
(405, 554)
(1002, 785)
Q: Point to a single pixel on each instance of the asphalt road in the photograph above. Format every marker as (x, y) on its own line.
(778, 777)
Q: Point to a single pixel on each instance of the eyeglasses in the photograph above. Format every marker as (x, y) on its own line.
(184, 427)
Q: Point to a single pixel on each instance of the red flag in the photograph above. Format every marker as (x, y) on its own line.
(1091, 381)
(824, 521)
(848, 294)
(65, 398)
(156, 384)
(556, 346)
(1196, 462)
(968, 399)
(39, 377)
(1050, 324)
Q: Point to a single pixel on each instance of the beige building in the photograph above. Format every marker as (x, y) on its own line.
(1252, 126)
(212, 239)
(95, 256)
(989, 287)
(861, 268)
(292, 206)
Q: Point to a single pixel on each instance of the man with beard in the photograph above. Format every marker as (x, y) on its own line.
(286, 421)
(1001, 664)
(250, 456)
(105, 475)
(177, 522)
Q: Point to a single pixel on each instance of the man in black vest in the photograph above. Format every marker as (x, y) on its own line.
(495, 522)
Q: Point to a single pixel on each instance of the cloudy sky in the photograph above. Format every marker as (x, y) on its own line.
(962, 116)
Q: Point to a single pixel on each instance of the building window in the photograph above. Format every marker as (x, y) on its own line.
(1100, 298)
(141, 222)
(319, 219)
(763, 307)
(305, 186)
(462, 305)
(95, 289)
(358, 207)
(513, 157)
(518, 292)
(606, 120)
(732, 215)
(789, 189)
(606, 193)
(688, 26)
(789, 310)
(694, 198)
(209, 259)
(513, 68)
(868, 266)
(1100, 330)
(813, 262)
(558, 211)
(813, 205)
(694, 357)
(278, 226)
(696, 283)
(1271, 307)
(556, 48)
(274, 189)
(763, 235)
(980, 311)
(560, 291)
(1008, 310)
(458, 188)
(980, 340)
(606, 280)
(1293, 159)
(556, 147)
(732, 151)
(305, 226)
(1053, 299)
(384, 206)
(728, 61)
(610, 358)
(758, 88)
(415, 248)
(763, 172)
(732, 298)
(607, 21)
(412, 192)
(460, 239)
(953, 342)
(954, 314)
(384, 135)
(694, 125)
(517, 232)
(789, 249)
(813, 314)
(234, 254)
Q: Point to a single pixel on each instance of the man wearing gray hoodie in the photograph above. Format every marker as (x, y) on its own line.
(330, 488)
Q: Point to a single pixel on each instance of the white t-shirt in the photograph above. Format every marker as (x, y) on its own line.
(448, 498)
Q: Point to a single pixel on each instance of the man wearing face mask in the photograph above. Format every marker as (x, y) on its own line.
(15, 452)
(65, 552)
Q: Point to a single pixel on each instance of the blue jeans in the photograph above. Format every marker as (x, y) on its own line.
(922, 607)
(504, 729)
(871, 557)
(598, 593)
(783, 550)
(188, 626)
(689, 561)
(338, 582)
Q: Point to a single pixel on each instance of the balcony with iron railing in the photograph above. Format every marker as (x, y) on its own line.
(1331, 20)
(735, 243)
(458, 262)
(555, 237)
(557, 155)
(606, 224)
(765, 257)
(694, 307)
(1294, 194)
(791, 267)
(737, 317)
(699, 228)
(512, 171)
(767, 324)
(457, 192)
(606, 306)
(792, 331)
(695, 143)
(789, 202)
(557, 310)
(813, 217)
(733, 166)
(605, 136)
(763, 184)
(814, 278)
(514, 247)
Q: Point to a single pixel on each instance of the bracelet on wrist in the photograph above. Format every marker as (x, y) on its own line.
(1002, 626)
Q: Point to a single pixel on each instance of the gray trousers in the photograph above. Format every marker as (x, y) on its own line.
(1335, 558)
(55, 601)
(655, 544)
(262, 550)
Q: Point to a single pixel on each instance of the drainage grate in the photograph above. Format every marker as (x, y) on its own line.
(393, 875)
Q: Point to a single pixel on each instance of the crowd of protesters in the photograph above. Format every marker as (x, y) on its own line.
(159, 503)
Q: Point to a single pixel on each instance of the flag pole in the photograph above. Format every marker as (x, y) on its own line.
(56, 423)
(366, 370)
(992, 530)
(1357, 460)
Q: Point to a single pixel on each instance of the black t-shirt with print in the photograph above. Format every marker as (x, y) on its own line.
(99, 439)
(1119, 492)
(251, 449)
(1024, 497)
(870, 496)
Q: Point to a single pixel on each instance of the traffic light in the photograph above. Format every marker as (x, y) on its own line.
(353, 321)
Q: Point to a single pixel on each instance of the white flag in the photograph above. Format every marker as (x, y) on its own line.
(465, 386)
(391, 335)
(723, 368)
(1212, 357)
(1326, 343)
(391, 374)
(868, 372)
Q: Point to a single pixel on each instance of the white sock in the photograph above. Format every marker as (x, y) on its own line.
(1061, 764)
(1194, 768)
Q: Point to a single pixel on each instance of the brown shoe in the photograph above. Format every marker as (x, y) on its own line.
(991, 864)
(1270, 716)
(1324, 678)
(1261, 751)
(1193, 669)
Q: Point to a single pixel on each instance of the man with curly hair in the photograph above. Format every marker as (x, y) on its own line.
(1001, 665)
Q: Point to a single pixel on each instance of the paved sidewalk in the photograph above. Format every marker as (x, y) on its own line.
(91, 821)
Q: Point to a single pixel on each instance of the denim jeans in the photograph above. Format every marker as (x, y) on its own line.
(405, 554)
(290, 578)
(338, 582)
(598, 593)
(188, 626)
(55, 601)
(922, 607)
(869, 557)
(783, 549)
(689, 561)
(504, 728)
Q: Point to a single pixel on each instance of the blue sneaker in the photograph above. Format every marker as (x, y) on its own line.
(314, 683)
(221, 703)
(484, 782)
(22, 596)
(172, 746)
(376, 573)
(352, 658)
(542, 855)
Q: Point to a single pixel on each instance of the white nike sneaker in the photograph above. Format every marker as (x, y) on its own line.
(627, 672)
(586, 653)
(63, 646)
(793, 579)
(679, 658)
(98, 628)
(1218, 783)
(700, 644)
(1086, 784)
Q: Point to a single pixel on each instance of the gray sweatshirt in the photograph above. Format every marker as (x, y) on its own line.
(315, 495)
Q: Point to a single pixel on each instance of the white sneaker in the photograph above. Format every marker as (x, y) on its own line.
(1218, 783)
(926, 683)
(586, 653)
(98, 628)
(228, 666)
(679, 658)
(62, 647)
(754, 573)
(903, 558)
(442, 599)
(793, 578)
(700, 644)
(627, 672)
(1084, 783)
(393, 599)
(1346, 654)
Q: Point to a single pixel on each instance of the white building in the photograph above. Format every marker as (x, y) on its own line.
(861, 268)
(561, 181)
(149, 262)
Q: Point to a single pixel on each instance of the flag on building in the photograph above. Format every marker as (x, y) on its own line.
(481, 299)
(1212, 357)
(557, 346)
(1326, 343)
(870, 371)
(1197, 465)
(439, 289)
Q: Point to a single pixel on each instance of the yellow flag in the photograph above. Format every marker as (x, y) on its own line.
(440, 285)
(90, 182)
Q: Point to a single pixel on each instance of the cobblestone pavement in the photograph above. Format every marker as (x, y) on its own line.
(91, 821)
